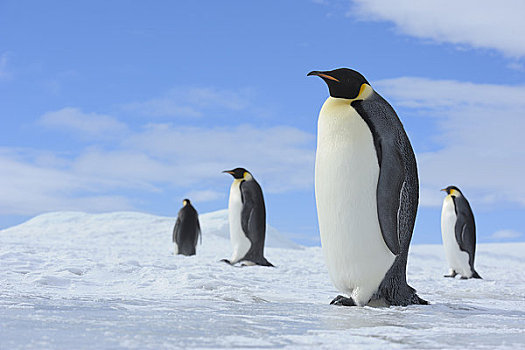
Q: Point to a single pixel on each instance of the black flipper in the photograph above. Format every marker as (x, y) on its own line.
(176, 231)
(391, 146)
(253, 221)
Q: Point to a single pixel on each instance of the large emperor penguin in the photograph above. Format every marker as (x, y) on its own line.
(458, 231)
(366, 189)
(247, 217)
(187, 229)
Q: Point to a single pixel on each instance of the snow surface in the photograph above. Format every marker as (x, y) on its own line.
(81, 281)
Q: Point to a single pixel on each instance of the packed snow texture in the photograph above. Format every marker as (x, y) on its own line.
(107, 281)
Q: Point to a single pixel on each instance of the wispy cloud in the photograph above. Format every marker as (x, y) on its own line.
(505, 234)
(205, 195)
(154, 159)
(475, 23)
(185, 156)
(191, 102)
(480, 127)
(88, 124)
(32, 182)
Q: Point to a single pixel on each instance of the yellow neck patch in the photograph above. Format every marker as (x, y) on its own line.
(364, 92)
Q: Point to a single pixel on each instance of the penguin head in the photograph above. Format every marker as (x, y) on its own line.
(344, 83)
(185, 202)
(452, 190)
(239, 174)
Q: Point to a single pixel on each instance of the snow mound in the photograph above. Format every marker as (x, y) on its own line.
(132, 227)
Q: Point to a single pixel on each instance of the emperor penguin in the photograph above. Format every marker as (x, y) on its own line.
(366, 189)
(458, 231)
(247, 217)
(187, 229)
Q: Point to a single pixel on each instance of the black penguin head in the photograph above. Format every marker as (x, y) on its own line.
(185, 202)
(238, 173)
(453, 190)
(343, 82)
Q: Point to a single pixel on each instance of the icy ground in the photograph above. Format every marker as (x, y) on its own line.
(110, 281)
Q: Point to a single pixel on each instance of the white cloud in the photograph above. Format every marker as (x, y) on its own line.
(88, 124)
(185, 156)
(29, 186)
(505, 234)
(158, 158)
(497, 25)
(204, 195)
(480, 131)
(191, 102)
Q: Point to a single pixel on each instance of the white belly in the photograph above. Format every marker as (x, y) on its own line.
(240, 243)
(457, 260)
(346, 175)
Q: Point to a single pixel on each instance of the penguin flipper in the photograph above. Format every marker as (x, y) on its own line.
(389, 197)
(464, 237)
(393, 193)
(176, 231)
(253, 221)
(465, 228)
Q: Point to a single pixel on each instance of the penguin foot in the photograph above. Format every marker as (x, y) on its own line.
(463, 278)
(226, 261)
(343, 301)
(451, 275)
(253, 263)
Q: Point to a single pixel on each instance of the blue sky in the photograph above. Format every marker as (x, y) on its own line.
(124, 105)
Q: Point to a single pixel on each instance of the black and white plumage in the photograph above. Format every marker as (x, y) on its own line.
(458, 231)
(187, 229)
(247, 217)
(366, 187)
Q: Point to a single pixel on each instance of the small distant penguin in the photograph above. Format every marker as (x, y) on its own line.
(458, 231)
(366, 188)
(247, 217)
(187, 229)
